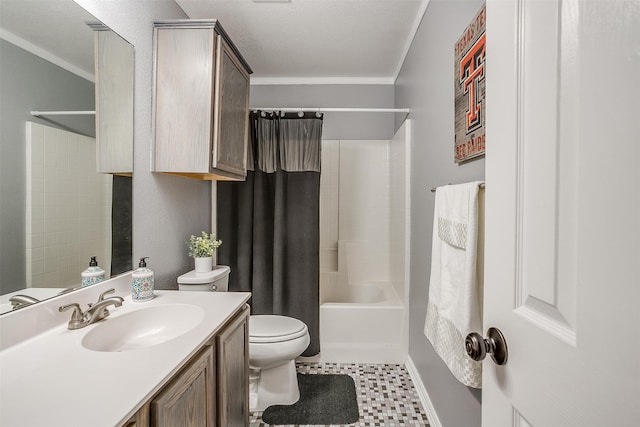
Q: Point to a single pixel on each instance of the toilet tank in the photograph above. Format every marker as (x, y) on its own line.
(216, 280)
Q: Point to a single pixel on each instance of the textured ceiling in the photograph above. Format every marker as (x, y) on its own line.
(296, 40)
(316, 39)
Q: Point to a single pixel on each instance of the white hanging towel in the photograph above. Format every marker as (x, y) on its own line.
(455, 297)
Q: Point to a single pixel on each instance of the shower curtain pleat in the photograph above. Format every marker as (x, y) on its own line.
(270, 222)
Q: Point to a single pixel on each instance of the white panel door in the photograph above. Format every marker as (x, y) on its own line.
(563, 213)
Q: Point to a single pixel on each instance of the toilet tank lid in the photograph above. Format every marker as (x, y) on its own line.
(193, 278)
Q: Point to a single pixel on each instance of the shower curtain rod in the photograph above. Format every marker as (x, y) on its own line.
(284, 109)
(61, 113)
(335, 110)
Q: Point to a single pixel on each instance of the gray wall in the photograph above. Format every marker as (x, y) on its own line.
(425, 85)
(336, 125)
(166, 209)
(28, 83)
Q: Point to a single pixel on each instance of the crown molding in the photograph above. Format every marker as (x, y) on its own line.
(412, 35)
(265, 81)
(44, 54)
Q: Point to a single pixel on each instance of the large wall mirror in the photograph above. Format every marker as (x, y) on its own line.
(65, 172)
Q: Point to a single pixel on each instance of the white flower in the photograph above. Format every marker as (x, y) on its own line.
(203, 246)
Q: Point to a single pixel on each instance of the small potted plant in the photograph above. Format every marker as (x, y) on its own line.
(202, 249)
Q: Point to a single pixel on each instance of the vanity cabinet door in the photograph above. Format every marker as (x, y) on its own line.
(140, 419)
(233, 372)
(188, 400)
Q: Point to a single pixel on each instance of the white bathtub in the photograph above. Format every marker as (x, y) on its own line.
(363, 324)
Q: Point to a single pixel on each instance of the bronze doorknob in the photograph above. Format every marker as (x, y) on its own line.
(495, 344)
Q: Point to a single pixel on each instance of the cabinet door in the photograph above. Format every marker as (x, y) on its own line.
(140, 419)
(231, 129)
(183, 85)
(188, 400)
(233, 372)
(114, 103)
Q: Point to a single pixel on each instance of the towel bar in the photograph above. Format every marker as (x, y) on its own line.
(433, 189)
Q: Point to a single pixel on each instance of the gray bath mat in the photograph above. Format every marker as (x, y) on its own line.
(324, 399)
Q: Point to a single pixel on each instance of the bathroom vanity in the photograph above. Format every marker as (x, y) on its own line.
(211, 389)
(179, 359)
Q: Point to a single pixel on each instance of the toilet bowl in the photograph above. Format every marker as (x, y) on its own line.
(274, 343)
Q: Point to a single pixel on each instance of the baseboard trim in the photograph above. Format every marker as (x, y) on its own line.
(432, 416)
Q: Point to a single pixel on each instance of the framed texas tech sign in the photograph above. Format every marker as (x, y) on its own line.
(470, 90)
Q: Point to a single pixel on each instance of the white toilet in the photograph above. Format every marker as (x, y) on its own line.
(274, 343)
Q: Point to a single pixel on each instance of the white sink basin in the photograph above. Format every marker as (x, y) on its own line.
(143, 328)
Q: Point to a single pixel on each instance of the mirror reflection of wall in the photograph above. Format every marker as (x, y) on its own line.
(47, 53)
(68, 209)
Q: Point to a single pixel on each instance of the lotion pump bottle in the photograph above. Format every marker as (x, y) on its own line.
(142, 282)
(92, 275)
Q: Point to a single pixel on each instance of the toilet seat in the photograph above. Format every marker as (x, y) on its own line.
(273, 328)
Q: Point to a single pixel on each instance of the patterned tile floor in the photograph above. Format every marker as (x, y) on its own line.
(386, 395)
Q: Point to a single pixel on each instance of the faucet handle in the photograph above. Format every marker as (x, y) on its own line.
(108, 291)
(101, 297)
(77, 317)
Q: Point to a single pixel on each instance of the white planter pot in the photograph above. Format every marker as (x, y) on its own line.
(203, 265)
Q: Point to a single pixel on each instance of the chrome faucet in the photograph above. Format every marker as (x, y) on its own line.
(77, 317)
(101, 313)
(19, 301)
(67, 290)
(108, 291)
(98, 311)
(95, 313)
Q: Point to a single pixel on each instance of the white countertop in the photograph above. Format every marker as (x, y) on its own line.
(50, 379)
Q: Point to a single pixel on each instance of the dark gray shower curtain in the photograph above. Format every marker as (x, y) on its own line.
(270, 223)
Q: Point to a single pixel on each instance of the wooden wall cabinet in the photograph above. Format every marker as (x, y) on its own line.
(212, 389)
(114, 101)
(201, 101)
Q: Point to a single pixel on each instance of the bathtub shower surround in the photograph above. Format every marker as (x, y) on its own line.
(68, 208)
(355, 210)
(364, 205)
(362, 324)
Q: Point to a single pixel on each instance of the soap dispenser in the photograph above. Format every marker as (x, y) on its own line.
(92, 275)
(142, 282)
